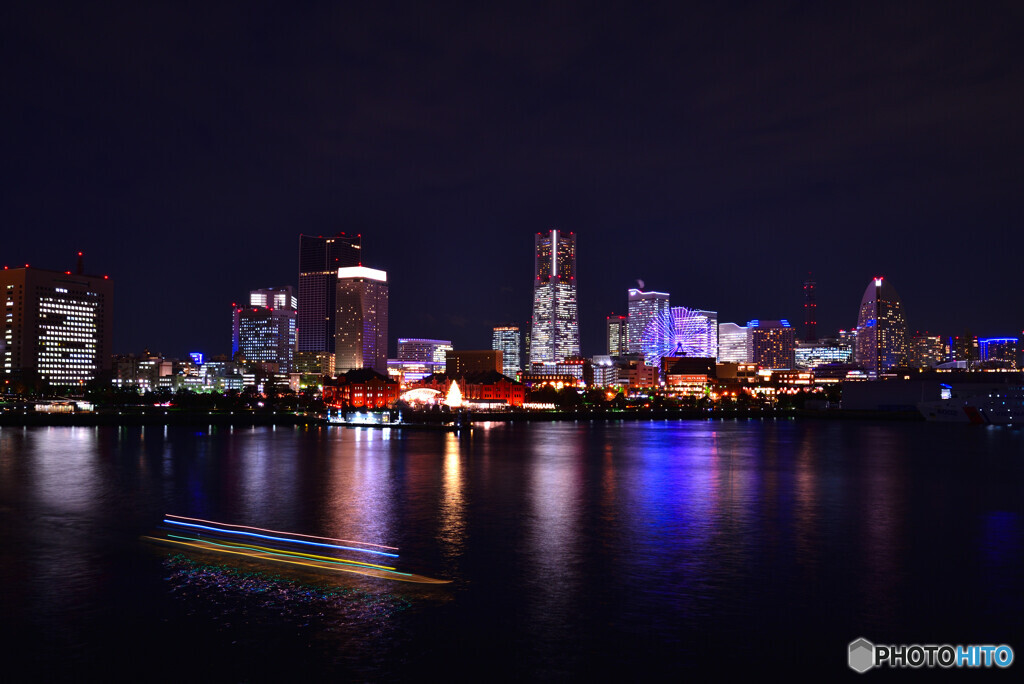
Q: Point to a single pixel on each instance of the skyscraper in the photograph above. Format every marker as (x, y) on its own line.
(810, 311)
(556, 328)
(644, 308)
(617, 334)
(264, 332)
(771, 344)
(319, 260)
(506, 340)
(732, 343)
(361, 333)
(57, 326)
(881, 329)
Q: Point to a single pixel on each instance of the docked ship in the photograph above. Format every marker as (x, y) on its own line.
(980, 404)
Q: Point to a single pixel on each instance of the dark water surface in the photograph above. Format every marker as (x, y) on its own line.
(576, 550)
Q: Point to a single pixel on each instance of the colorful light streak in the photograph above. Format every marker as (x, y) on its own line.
(279, 552)
(366, 571)
(293, 534)
(203, 542)
(283, 539)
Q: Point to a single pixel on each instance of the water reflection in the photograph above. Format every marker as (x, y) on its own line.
(594, 543)
(453, 523)
(360, 496)
(554, 532)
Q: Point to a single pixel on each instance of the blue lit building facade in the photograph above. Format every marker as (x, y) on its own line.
(999, 350)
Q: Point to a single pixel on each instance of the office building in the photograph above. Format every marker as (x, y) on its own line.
(423, 351)
(314, 363)
(57, 327)
(927, 351)
(617, 335)
(604, 370)
(810, 355)
(555, 328)
(732, 343)
(644, 309)
(361, 330)
(506, 339)
(319, 260)
(881, 329)
(771, 344)
(264, 332)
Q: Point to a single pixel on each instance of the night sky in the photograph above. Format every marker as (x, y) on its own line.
(717, 154)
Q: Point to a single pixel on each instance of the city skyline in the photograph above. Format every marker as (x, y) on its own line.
(649, 137)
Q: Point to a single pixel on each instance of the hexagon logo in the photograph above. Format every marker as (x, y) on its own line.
(862, 655)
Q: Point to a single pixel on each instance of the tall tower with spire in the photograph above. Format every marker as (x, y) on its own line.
(810, 310)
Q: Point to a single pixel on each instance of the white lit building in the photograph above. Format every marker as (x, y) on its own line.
(556, 330)
(507, 340)
(361, 335)
(732, 343)
(56, 326)
(423, 350)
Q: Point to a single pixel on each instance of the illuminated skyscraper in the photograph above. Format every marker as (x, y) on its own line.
(319, 260)
(732, 343)
(506, 340)
(771, 344)
(810, 311)
(617, 334)
(57, 326)
(645, 307)
(556, 329)
(264, 331)
(881, 329)
(361, 335)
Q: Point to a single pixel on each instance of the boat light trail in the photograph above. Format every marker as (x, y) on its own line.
(294, 534)
(359, 571)
(278, 552)
(284, 539)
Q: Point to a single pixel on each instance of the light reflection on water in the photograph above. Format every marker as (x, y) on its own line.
(571, 545)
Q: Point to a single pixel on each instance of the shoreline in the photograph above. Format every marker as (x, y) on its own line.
(261, 419)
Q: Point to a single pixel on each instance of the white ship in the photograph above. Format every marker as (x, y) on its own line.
(980, 404)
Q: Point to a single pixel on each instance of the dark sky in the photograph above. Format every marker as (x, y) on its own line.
(717, 154)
